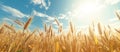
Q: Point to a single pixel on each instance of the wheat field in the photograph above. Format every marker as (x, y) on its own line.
(95, 38)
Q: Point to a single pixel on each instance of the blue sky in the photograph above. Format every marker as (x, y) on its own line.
(80, 12)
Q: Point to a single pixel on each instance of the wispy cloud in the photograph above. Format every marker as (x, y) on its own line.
(112, 2)
(7, 19)
(115, 24)
(113, 19)
(11, 22)
(116, 18)
(49, 19)
(39, 14)
(62, 16)
(65, 16)
(42, 3)
(14, 12)
(54, 23)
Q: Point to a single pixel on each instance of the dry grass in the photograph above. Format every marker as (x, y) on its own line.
(107, 40)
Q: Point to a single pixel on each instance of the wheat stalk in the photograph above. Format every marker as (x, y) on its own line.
(99, 28)
(60, 26)
(28, 23)
(71, 27)
(118, 15)
(117, 30)
(30, 35)
(45, 27)
(60, 29)
(19, 22)
(57, 22)
(50, 28)
(9, 27)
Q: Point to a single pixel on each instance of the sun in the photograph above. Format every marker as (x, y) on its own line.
(84, 13)
(87, 8)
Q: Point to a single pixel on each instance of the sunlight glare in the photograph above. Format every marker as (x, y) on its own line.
(86, 12)
(88, 8)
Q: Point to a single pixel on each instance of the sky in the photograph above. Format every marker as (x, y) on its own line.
(80, 12)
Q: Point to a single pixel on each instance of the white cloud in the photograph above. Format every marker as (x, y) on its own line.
(62, 16)
(54, 23)
(46, 21)
(39, 14)
(108, 2)
(65, 16)
(115, 24)
(35, 13)
(50, 18)
(42, 3)
(112, 2)
(7, 19)
(116, 17)
(14, 12)
(113, 19)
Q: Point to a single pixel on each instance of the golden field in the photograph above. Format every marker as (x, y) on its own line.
(95, 38)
